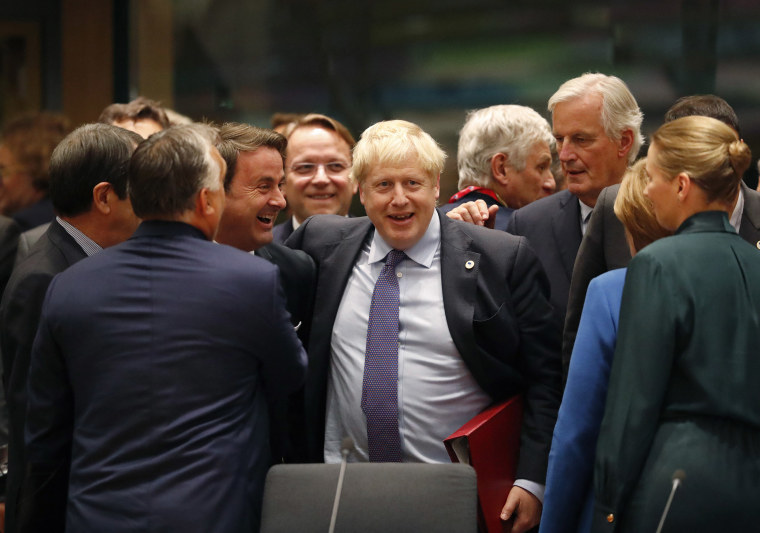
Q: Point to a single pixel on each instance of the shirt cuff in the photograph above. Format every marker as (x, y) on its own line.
(536, 489)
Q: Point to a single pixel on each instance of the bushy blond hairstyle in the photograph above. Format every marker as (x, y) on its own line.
(706, 149)
(390, 143)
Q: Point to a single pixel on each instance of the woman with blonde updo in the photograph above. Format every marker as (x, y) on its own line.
(683, 385)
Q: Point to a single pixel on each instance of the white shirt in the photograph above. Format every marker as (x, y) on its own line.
(585, 216)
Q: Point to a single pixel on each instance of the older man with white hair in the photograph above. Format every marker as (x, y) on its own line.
(596, 123)
(504, 159)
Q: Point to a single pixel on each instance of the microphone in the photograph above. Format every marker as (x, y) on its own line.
(346, 447)
(678, 477)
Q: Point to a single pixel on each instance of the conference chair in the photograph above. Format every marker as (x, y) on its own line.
(375, 498)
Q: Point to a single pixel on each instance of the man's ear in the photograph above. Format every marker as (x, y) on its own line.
(101, 197)
(499, 164)
(203, 203)
(625, 143)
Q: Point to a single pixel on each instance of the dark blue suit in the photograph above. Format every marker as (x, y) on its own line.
(152, 365)
(553, 228)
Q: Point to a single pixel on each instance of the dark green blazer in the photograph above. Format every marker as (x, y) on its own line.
(683, 386)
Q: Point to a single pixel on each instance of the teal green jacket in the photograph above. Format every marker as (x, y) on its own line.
(683, 390)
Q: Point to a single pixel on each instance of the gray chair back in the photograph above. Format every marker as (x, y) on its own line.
(376, 497)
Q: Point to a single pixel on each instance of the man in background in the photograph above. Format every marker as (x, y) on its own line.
(504, 159)
(317, 167)
(142, 115)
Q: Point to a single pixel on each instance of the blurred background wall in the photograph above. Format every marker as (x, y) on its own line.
(422, 60)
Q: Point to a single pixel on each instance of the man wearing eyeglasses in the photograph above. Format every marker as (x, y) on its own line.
(317, 167)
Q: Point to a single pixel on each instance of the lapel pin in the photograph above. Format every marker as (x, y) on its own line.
(758, 245)
(469, 264)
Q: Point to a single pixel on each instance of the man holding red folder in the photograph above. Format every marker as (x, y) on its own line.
(421, 322)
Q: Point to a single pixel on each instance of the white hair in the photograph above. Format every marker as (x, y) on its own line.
(619, 108)
(512, 130)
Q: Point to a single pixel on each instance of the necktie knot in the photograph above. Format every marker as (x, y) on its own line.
(394, 258)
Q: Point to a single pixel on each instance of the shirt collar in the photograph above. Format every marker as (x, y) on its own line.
(89, 246)
(422, 253)
(736, 214)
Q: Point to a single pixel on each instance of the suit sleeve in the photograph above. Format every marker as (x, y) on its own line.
(571, 460)
(539, 362)
(284, 370)
(49, 427)
(639, 379)
(589, 263)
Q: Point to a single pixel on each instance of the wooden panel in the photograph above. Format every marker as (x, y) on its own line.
(153, 50)
(86, 58)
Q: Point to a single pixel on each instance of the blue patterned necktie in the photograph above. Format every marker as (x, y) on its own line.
(380, 384)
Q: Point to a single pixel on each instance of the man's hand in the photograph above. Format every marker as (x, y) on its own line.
(522, 509)
(476, 212)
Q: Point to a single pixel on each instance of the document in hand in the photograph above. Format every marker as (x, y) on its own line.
(490, 443)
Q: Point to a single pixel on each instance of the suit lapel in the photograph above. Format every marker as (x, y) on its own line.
(459, 284)
(337, 259)
(567, 231)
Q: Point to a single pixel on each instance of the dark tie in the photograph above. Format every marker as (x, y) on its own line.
(380, 384)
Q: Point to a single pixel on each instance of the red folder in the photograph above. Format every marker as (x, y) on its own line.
(490, 443)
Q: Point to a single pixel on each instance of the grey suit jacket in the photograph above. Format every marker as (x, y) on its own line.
(497, 312)
(27, 239)
(604, 248)
(20, 313)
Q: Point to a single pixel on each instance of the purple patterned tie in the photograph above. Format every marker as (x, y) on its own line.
(380, 384)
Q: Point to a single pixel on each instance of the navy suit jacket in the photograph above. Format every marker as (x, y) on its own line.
(503, 215)
(150, 374)
(20, 312)
(553, 228)
(497, 312)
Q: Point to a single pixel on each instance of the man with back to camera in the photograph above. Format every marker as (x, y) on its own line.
(153, 388)
(504, 158)
(88, 189)
(317, 167)
(400, 368)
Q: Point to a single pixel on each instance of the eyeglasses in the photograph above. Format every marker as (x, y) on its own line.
(308, 170)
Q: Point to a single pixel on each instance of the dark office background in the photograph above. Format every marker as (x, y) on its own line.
(421, 60)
